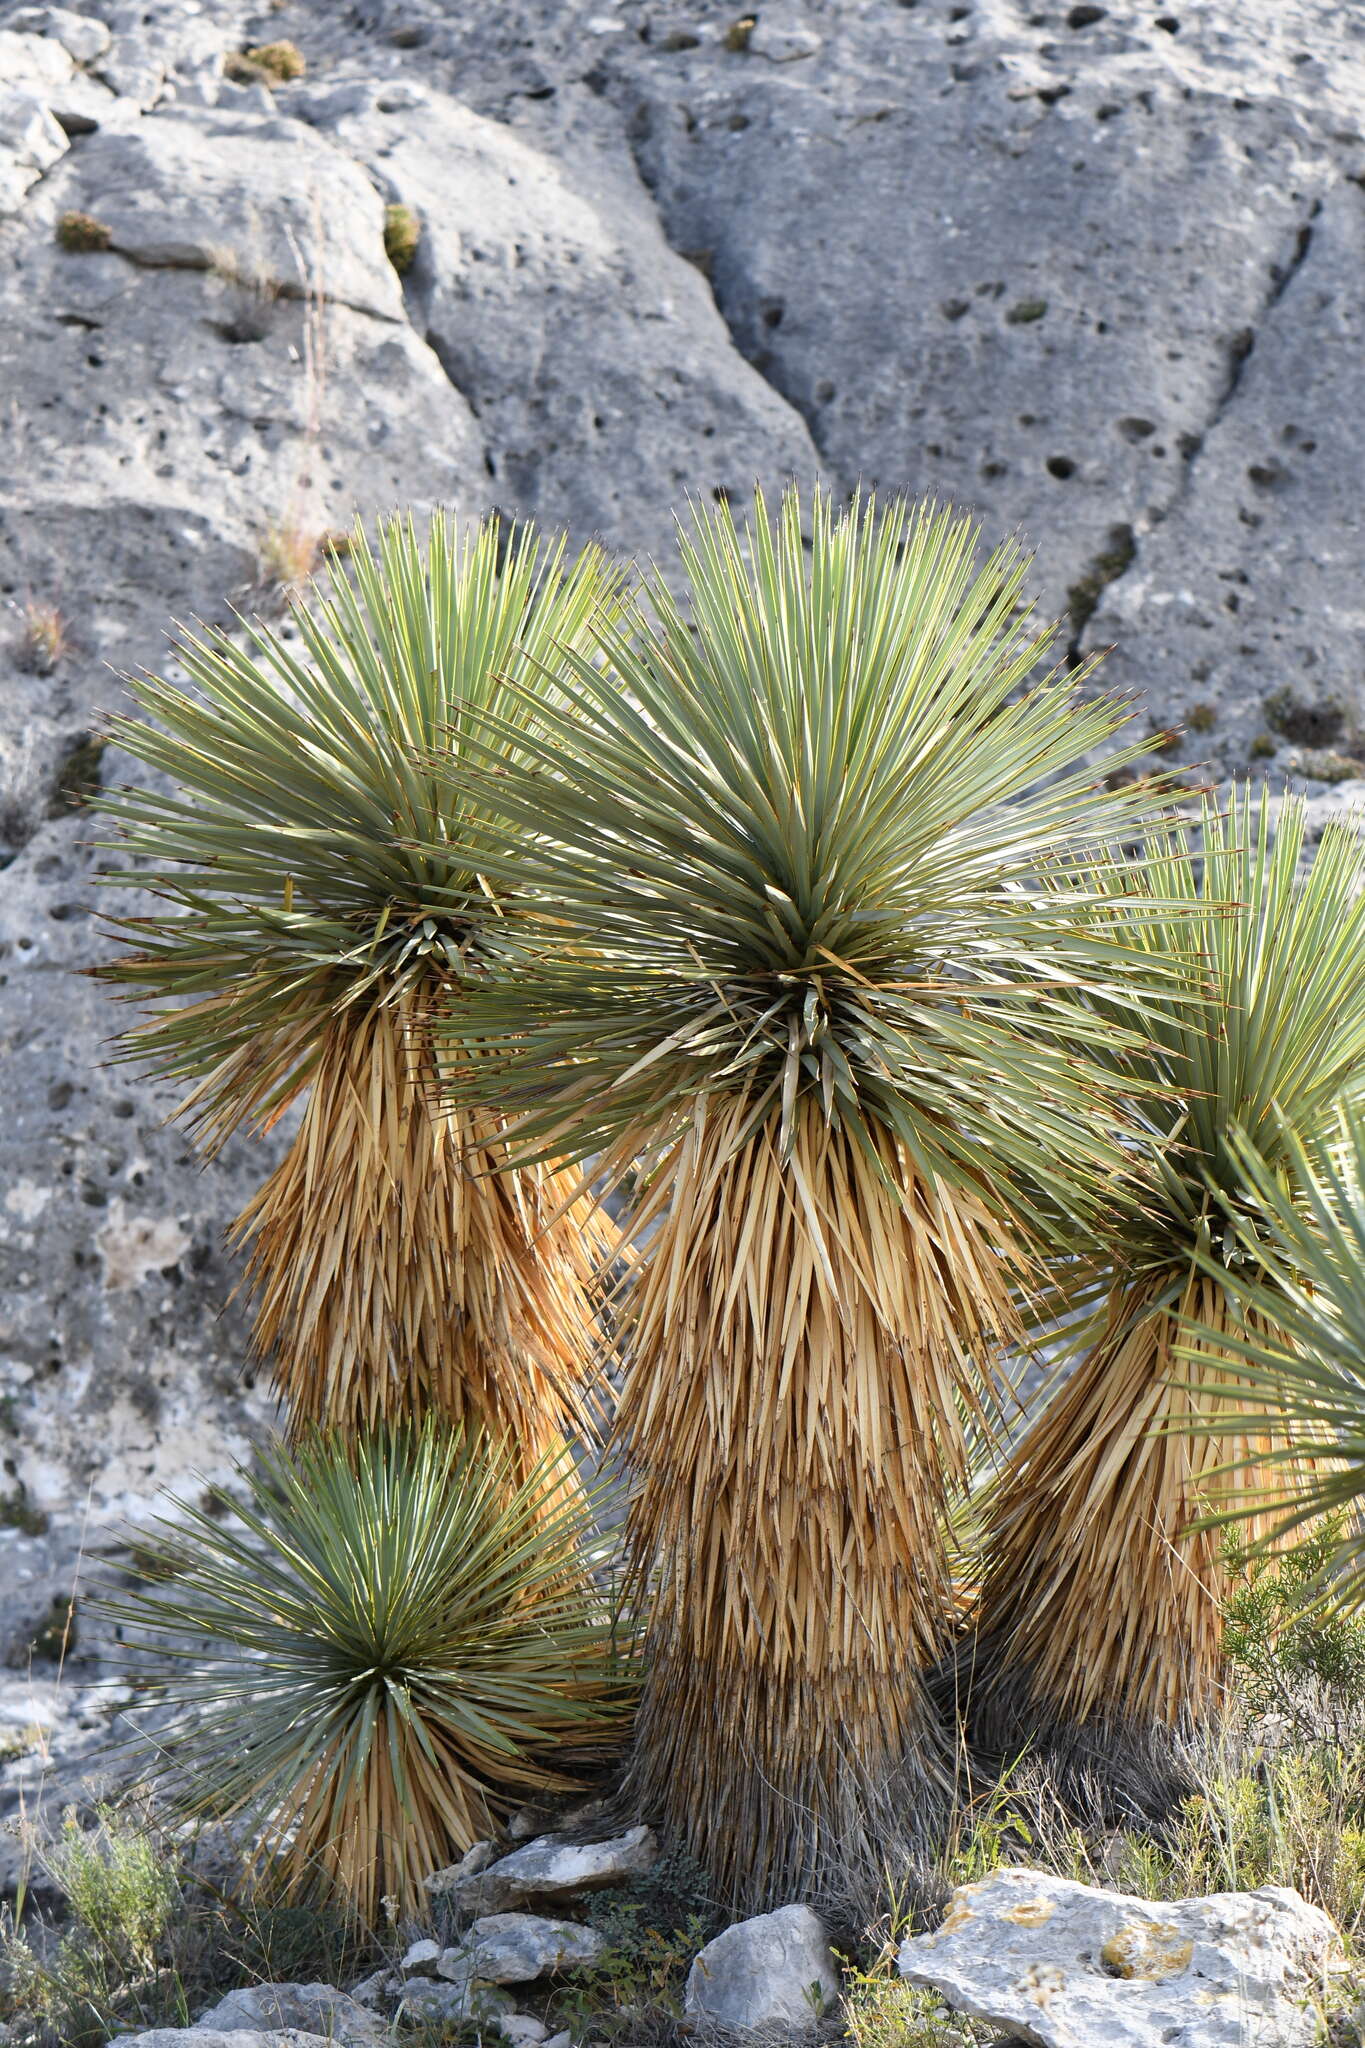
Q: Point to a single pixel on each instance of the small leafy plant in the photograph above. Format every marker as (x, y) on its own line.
(147, 1940)
(1293, 1656)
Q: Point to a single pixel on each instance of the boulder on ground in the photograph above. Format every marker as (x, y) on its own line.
(213, 2037)
(1060, 1963)
(308, 2008)
(547, 1868)
(776, 1970)
(517, 1948)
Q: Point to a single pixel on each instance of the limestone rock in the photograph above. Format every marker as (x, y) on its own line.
(430, 1999)
(421, 1959)
(307, 2008)
(522, 2029)
(215, 2037)
(31, 140)
(80, 35)
(267, 205)
(776, 1970)
(518, 1948)
(1059, 1964)
(547, 1868)
(535, 260)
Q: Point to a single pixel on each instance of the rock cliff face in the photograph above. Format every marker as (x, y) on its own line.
(1097, 272)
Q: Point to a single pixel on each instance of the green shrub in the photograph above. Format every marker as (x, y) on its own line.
(1291, 1655)
(81, 232)
(402, 233)
(145, 1943)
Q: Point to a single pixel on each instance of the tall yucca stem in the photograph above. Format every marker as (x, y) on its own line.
(317, 912)
(397, 1273)
(1100, 1620)
(799, 1335)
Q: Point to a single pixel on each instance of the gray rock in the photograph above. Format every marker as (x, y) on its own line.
(214, 2037)
(522, 2029)
(30, 62)
(518, 1948)
(533, 261)
(776, 1970)
(547, 1868)
(378, 1988)
(80, 35)
(421, 1959)
(31, 140)
(1058, 1963)
(308, 2008)
(268, 205)
(427, 1999)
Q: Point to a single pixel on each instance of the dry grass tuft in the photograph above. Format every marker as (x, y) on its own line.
(266, 64)
(290, 552)
(43, 641)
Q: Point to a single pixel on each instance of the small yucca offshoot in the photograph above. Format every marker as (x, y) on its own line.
(379, 1651)
(1099, 1624)
(315, 914)
(773, 927)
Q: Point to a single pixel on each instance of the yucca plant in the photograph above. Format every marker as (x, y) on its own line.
(1301, 1357)
(778, 929)
(375, 1653)
(1099, 1627)
(317, 919)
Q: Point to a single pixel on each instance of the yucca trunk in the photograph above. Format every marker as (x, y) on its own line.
(800, 1336)
(397, 1274)
(1100, 1623)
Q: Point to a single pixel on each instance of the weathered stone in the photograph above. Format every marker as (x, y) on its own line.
(1101, 283)
(425, 1998)
(214, 2037)
(315, 2008)
(517, 1948)
(776, 1970)
(548, 1868)
(31, 140)
(265, 205)
(522, 2030)
(80, 35)
(421, 1959)
(1059, 1964)
(378, 1988)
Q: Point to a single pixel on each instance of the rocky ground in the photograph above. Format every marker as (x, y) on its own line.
(1094, 271)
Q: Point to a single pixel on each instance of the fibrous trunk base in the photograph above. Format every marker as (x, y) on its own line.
(397, 1274)
(800, 1333)
(1099, 1628)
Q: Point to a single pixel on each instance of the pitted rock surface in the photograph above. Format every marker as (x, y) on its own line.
(1061, 1964)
